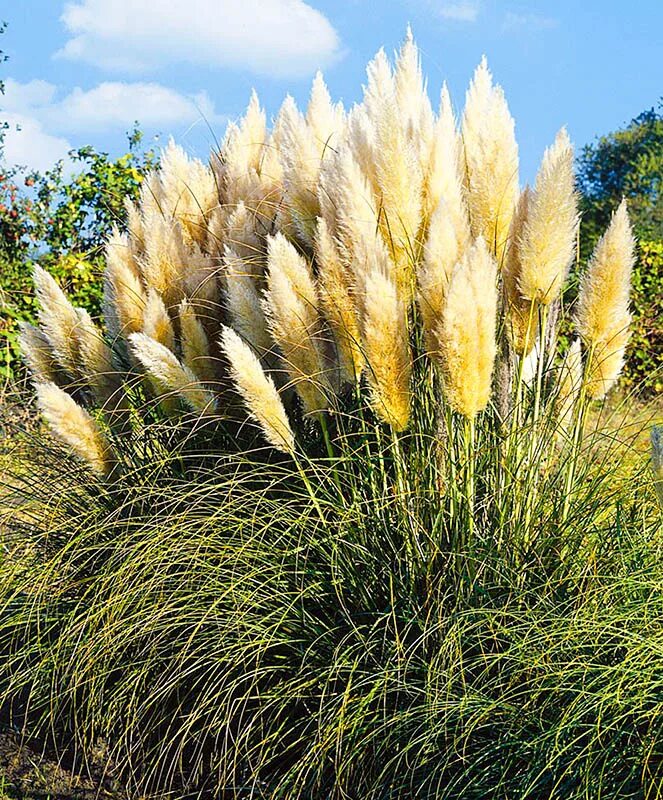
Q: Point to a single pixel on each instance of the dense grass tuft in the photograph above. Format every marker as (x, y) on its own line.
(243, 626)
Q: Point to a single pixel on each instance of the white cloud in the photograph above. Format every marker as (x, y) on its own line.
(120, 104)
(110, 105)
(458, 10)
(45, 118)
(273, 37)
(528, 21)
(28, 144)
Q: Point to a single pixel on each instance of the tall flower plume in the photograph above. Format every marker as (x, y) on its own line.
(603, 316)
(491, 159)
(259, 392)
(467, 331)
(75, 427)
(171, 376)
(291, 305)
(386, 346)
(546, 242)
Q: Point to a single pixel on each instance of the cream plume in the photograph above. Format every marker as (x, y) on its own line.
(258, 391)
(165, 262)
(195, 344)
(242, 237)
(444, 173)
(291, 304)
(447, 241)
(416, 113)
(356, 215)
(37, 353)
(244, 303)
(135, 228)
(361, 141)
(603, 316)
(59, 321)
(243, 152)
(338, 304)
(467, 334)
(491, 158)
(156, 321)
(170, 375)
(96, 358)
(325, 120)
(522, 315)
(300, 159)
(387, 351)
(398, 173)
(75, 427)
(547, 240)
(125, 293)
(188, 192)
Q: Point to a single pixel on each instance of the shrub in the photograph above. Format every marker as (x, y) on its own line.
(643, 369)
(61, 222)
(336, 519)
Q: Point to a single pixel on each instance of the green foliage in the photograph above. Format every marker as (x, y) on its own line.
(627, 163)
(643, 365)
(60, 221)
(233, 625)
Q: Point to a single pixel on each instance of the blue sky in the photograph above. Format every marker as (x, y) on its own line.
(81, 71)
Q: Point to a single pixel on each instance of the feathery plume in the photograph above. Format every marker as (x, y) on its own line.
(603, 316)
(151, 198)
(258, 391)
(37, 353)
(547, 240)
(124, 291)
(447, 241)
(361, 141)
(387, 351)
(243, 151)
(522, 315)
(291, 306)
(156, 321)
(444, 171)
(201, 283)
(171, 376)
(491, 159)
(75, 427)
(165, 261)
(96, 359)
(414, 108)
(241, 236)
(59, 321)
(467, 335)
(398, 173)
(300, 159)
(195, 344)
(356, 215)
(134, 226)
(188, 192)
(325, 119)
(338, 304)
(244, 303)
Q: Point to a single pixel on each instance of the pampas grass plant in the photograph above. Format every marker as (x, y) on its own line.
(358, 533)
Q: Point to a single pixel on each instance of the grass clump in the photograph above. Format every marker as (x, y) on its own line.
(339, 520)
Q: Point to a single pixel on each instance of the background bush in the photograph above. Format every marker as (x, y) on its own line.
(61, 221)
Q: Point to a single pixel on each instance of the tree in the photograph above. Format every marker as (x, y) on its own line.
(626, 163)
